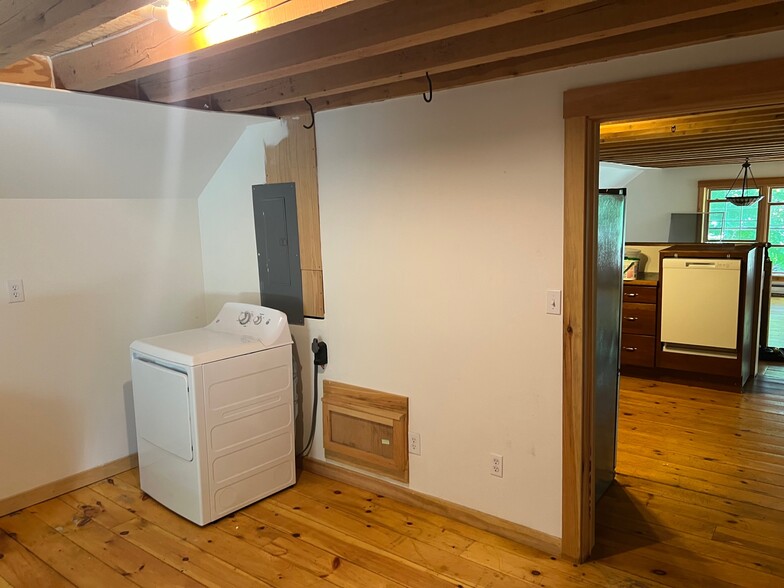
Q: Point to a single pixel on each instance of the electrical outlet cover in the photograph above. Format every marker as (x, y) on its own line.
(414, 443)
(15, 291)
(497, 465)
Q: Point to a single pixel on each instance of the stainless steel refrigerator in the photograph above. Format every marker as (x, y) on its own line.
(608, 279)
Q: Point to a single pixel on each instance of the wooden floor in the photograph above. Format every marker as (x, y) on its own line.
(699, 501)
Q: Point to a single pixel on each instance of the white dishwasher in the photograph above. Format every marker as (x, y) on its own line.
(700, 306)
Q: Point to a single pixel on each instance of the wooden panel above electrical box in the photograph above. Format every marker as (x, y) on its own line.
(294, 160)
(366, 428)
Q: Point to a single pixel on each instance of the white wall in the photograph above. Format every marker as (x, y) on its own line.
(656, 193)
(441, 231)
(59, 144)
(98, 274)
(99, 217)
(617, 175)
(439, 242)
(227, 227)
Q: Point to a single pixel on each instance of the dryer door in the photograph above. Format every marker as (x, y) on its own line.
(163, 415)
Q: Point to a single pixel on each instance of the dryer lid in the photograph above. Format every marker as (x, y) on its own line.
(238, 329)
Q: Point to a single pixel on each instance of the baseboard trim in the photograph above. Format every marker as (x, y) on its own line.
(518, 533)
(65, 485)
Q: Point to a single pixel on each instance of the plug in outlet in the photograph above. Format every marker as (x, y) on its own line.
(414, 443)
(497, 465)
(15, 291)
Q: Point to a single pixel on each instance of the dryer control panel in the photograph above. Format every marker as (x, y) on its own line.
(265, 324)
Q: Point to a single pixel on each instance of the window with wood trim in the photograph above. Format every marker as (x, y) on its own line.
(760, 222)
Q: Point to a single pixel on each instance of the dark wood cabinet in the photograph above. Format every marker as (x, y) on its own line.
(638, 323)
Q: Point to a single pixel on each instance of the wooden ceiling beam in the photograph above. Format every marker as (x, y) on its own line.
(694, 162)
(597, 21)
(655, 124)
(392, 27)
(715, 28)
(27, 27)
(152, 48)
(687, 158)
(729, 153)
(703, 128)
(718, 135)
(730, 142)
(718, 138)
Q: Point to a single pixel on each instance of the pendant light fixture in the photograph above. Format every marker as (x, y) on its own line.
(180, 14)
(745, 199)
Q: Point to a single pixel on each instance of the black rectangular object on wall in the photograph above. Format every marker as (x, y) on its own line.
(277, 249)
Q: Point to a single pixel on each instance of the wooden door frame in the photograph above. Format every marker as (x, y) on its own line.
(720, 88)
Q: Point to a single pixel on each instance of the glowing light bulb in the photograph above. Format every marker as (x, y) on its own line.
(180, 15)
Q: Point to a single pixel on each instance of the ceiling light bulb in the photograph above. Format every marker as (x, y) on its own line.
(180, 15)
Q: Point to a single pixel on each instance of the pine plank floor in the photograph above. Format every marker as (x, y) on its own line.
(699, 501)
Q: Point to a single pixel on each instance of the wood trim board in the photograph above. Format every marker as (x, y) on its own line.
(728, 87)
(294, 160)
(580, 178)
(513, 531)
(68, 484)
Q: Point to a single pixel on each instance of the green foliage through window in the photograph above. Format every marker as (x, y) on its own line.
(727, 222)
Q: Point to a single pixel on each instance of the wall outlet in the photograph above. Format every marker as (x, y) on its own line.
(15, 291)
(497, 465)
(414, 443)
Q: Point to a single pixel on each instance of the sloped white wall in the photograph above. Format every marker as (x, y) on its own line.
(617, 175)
(99, 217)
(441, 230)
(227, 227)
(656, 193)
(59, 144)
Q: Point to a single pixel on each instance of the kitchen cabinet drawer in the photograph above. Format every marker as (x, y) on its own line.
(638, 319)
(639, 294)
(638, 350)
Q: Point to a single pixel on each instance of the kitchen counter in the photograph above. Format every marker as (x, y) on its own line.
(644, 279)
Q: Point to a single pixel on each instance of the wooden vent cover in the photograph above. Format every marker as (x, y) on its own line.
(366, 428)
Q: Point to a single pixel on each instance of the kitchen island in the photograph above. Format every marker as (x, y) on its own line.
(688, 352)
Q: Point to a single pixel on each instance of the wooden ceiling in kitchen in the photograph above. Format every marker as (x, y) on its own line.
(344, 52)
(699, 139)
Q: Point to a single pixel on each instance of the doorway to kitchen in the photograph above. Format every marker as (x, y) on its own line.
(584, 109)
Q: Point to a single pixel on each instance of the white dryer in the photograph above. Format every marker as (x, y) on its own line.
(214, 413)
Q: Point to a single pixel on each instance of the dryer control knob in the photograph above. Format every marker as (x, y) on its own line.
(257, 319)
(244, 317)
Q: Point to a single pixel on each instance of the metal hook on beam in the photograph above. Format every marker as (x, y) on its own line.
(312, 116)
(429, 96)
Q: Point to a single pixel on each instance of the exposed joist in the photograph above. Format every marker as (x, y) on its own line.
(549, 32)
(697, 139)
(698, 159)
(393, 27)
(761, 133)
(714, 28)
(751, 119)
(156, 47)
(730, 149)
(27, 27)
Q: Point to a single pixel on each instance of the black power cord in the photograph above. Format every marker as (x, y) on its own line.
(319, 349)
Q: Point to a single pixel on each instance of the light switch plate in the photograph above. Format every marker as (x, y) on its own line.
(553, 302)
